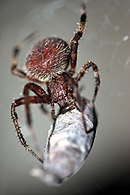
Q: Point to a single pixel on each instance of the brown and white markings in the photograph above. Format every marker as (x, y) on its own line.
(53, 62)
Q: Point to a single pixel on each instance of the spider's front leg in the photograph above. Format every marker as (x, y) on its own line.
(39, 92)
(44, 99)
(84, 70)
(76, 38)
(41, 97)
(16, 103)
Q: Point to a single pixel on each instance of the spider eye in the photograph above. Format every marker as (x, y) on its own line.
(48, 58)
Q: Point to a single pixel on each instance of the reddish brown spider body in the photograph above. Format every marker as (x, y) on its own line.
(61, 90)
(47, 63)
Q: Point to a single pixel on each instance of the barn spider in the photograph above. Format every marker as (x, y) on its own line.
(52, 62)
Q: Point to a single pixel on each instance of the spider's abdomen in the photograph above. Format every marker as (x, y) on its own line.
(48, 58)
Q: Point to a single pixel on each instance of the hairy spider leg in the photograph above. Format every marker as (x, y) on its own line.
(16, 103)
(44, 98)
(84, 69)
(14, 63)
(39, 92)
(76, 38)
(41, 97)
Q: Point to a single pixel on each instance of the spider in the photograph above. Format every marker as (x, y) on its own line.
(52, 62)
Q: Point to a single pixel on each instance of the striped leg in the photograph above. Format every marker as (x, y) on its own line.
(76, 38)
(16, 51)
(16, 103)
(84, 69)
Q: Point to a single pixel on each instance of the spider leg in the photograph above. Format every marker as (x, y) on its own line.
(39, 92)
(76, 38)
(16, 103)
(84, 69)
(14, 64)
(44, 99)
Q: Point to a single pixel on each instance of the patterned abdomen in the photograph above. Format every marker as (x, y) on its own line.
(48, 58)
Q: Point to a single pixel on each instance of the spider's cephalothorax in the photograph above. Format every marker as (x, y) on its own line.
(52, 62)
(48, 58)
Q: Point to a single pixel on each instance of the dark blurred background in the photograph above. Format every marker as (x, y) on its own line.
(106, 41)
